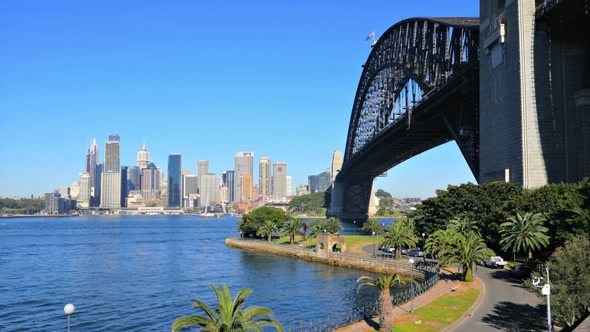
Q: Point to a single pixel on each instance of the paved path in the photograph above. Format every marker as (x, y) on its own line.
(503, 305)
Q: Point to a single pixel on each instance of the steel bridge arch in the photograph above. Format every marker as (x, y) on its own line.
(427, 51)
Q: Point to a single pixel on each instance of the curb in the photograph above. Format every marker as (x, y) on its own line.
(467, 314)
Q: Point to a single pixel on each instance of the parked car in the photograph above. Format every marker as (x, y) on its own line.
(495, 262)
(430, 255)
(415, 253)
(391, 250)
(404, 251)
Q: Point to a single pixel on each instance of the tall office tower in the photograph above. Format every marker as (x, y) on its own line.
(95, 191)
(132, 181)
(190, 189)
(124, 186)
(84, 191)
(202, 169)
(324, 180)
(264, 176)
(247, 186)
(110, 191)
(244, 164)
(150, 182)
(336, 164)
(228, 182)
(65, 192)
(143, 158)
(209, 189)
(75, 190)
(279, 180)
(174, 180)
(92, 158)
(289, 185)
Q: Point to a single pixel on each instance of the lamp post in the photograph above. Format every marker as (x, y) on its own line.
(514, 252)
(412, 284)
(423, 246)
(545, 290)
(354, 227)
(69, 309)
(374, 244)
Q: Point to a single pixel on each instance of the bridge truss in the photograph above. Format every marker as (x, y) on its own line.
(418, 90)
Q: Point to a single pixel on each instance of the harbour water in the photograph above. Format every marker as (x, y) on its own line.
(139, 273)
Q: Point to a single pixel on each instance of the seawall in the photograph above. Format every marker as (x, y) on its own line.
(378, 265)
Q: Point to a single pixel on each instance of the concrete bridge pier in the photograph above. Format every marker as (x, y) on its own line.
(582, 100)
(357, 196)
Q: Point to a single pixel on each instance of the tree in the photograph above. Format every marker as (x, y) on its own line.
(384, 285)
(312, 203)
(268, 228)
(440, 239)
(318, 226)
(334, 225)
(467, 250)
(372, 226)
(229, 315)
(524, 232)
(292, 228)
(570, 280)
(463, 225)
(400, 234)
(255, 219)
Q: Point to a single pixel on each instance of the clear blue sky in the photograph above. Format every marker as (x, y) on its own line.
(203, 78)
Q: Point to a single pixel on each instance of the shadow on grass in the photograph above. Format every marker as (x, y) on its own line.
(507, 316)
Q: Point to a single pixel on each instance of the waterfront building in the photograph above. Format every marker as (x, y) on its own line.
(55, 204)
(65, 192)
(336, 164)
(83, 196)
(244, 164)
(264, 176)
(110, 191)
(302, 190)
(92, 162)
(228, 182)
(190, 190)
(74, 190)
(247, 191)
(174, 180)
(143, 157)
(202, 169)
(150, 182)
(279, 180)
(210, 190)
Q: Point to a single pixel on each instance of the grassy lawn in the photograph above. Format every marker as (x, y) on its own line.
(437, 314)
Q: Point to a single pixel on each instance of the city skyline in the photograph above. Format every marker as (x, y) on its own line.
(206, 80)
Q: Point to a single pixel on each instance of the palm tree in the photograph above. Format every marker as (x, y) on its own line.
(385, 304)
(372, 226)
(400, 234)
(463, 225)
(292, 228)
(267, 228)
(334, 225)
(318, 226)
(466, 250)
(525, 233)
(229, 315)
(440, 239)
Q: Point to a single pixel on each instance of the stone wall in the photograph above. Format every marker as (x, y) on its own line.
(379, 265)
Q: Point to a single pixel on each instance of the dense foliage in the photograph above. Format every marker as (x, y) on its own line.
(22, 205)
(251, 222)
(308, 204)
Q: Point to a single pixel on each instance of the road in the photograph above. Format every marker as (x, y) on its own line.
(505, 306)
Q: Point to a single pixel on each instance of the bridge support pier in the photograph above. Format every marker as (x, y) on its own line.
(582, 99)
(350, 199)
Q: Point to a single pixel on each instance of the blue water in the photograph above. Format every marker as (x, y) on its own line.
(138, 273)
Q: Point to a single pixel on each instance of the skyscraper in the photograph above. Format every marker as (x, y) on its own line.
(244, 164)
(228, 182)
(174, 180)
(279, 180)
(84, 192)
(143, 158)
(264, 176)
(202, 169)
(247, 186)
(210, 189)
(92, 161)
(336, 164)
(110, 192)
(150, 182)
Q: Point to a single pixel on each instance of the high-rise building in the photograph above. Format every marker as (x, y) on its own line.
(190, 189)
(202, 169)
(228, 182)
(264, 176)
(143, 158)
(279, 180)
(84, 191)
(150, 182)
(174, 180)
(336, 164)
(244, 164)
(325, 180)
(289, 185)
(209, 190)
(92, 161)
(247, 186)
(110, 191)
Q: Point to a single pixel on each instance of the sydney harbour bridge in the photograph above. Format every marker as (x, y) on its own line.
(511, 88)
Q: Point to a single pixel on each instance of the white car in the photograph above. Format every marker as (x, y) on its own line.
(495, 262)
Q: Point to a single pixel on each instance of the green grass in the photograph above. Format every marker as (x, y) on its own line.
(439, 313)
(352, 240)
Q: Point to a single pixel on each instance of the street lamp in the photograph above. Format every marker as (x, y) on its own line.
(354, 227)
(545, 290)
(69, 309)
(423, 245)
(412, 284)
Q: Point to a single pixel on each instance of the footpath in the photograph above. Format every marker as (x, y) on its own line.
(445, 285)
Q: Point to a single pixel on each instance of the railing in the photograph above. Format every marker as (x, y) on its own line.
(368, 310)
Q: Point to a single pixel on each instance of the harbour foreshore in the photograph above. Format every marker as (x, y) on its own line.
(379, 265)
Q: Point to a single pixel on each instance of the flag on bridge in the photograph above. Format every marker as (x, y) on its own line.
(370, 36)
